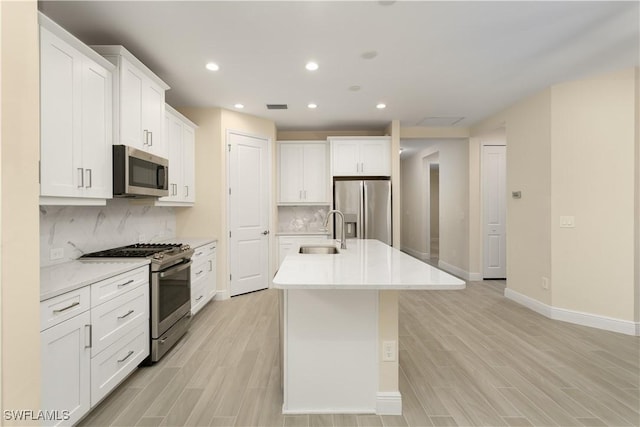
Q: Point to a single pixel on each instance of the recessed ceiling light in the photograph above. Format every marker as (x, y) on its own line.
(239, 106)
(212, 66)
(370, 54)
(311, 66)
(381, 106)
(354, 88)
(312, 105)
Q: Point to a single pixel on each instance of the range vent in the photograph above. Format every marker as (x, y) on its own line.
(277, 106)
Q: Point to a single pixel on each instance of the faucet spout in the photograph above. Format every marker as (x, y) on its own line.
(343, 240)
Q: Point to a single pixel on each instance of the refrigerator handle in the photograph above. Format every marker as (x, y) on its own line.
(362, 224)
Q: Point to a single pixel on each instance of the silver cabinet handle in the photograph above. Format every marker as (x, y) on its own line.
(81, 176)
(305, 194)
(212, 248)
(199, 298)
(126, 357)
(90, 335)
(151, 143)
(186, 190)
(199, 272)
(126, 315)
(210, 265)
(122, 285)
(175, 189)
(198, 253)
(146, 137)
(60, 310)
(89, 174)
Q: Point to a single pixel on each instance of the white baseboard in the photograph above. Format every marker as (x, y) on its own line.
(303, 411)
(424, 256)
(222, 295)
(626, 327)
(475, 277)
(456, 271)
(388, 403)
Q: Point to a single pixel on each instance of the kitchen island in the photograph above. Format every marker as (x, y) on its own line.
(339, 326)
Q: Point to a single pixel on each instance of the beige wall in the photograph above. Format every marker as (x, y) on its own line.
(592, 168)
(528, 135)
(19, 154)
(208, 217)
(637, 207)
(571, 151)
(316, 135)
(452, 155)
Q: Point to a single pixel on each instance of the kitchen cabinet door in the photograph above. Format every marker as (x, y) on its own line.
(173, 130)
(130, 106)
(345, 159)
(60, 109)
(97, 128)
(188, 164)
(152, 118)
(66, 368)
(291, 173)
(314, 173)
(375, 158)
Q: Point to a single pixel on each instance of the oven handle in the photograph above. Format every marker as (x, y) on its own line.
(175, 269)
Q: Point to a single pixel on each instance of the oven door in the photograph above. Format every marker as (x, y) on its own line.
(170, 297)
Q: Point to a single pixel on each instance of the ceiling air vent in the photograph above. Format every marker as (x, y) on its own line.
(441, 121)
(277, 106)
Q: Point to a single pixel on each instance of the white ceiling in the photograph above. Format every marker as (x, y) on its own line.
(436, 62)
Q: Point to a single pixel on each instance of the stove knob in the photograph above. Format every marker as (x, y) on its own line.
(186, 247)
(159, 255)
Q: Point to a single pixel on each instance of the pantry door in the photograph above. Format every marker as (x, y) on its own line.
(248, 193)
(494, 211)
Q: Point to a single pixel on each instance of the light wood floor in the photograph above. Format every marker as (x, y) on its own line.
(467, 357)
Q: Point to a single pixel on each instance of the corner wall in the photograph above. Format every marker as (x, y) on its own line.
(19, 154)
(208, 217)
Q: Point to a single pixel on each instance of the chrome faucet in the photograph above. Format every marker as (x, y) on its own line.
(343, 241)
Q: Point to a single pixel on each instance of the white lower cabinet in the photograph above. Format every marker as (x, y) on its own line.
(203, 276)
(66, 361)
(92, 338)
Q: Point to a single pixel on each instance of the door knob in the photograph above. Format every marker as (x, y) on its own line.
(265, 232)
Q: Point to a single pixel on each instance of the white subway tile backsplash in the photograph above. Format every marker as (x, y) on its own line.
(83, 229)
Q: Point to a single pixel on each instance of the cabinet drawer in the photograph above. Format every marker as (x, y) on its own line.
(117, 317)
(199, 295)
(114, 364)
(202, 252)
(63, 307)
(108, 289)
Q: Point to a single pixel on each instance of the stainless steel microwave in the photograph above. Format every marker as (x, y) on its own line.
(137, 173)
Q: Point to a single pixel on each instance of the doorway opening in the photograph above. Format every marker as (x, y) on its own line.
(434, 213)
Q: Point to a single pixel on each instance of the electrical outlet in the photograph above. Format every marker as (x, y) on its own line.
(56, 253)
(388, 351)
(545, 283)
(567, 222)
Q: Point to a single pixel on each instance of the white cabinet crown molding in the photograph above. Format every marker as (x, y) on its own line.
(118, 50)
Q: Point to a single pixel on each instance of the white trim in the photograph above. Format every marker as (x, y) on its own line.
(626, 327)
(389, 403)
(327, 411)
(221, 295)
(424, 256)
(456, 271)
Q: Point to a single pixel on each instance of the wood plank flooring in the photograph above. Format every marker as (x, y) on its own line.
(467, 358)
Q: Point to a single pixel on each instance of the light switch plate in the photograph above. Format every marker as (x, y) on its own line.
(567, 222)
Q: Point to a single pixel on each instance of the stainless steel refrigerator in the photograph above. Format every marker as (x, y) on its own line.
(366, 205)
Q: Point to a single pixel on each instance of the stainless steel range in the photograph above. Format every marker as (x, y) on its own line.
(170, 281)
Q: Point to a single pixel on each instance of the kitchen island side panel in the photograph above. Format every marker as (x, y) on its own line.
(331, 358)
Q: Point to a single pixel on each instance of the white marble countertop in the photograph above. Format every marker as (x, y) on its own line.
(365, 264)
(194, 242)
(61, 278)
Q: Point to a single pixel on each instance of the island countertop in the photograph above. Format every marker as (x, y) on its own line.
(365, 264)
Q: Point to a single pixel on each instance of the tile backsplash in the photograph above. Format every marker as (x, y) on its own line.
(83, 229)
(301, 218)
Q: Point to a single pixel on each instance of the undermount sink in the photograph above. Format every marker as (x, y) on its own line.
(319, 249)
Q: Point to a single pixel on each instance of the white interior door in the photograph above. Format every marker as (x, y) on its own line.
(248, 213)
(494, 211)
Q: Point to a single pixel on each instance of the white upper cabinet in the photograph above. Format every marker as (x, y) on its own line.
(303, 177)
(76, 120)
(139, 102)
(360, 156)
(180, 133)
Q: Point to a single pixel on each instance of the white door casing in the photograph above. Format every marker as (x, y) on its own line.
(494, 211)
(248, 215)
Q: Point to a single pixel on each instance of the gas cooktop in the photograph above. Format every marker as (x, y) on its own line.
(154, 251)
